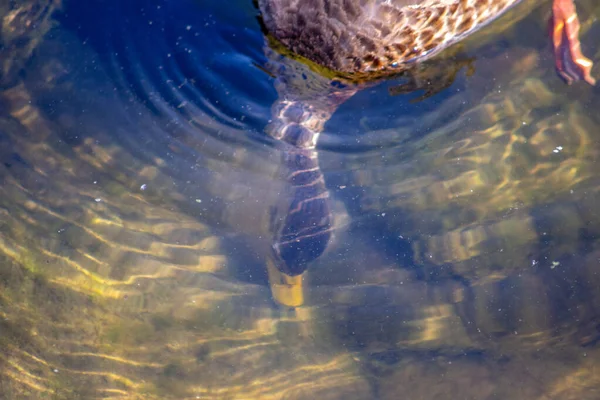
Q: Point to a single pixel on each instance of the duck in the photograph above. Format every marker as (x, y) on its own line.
(363, 38)
(322, 52)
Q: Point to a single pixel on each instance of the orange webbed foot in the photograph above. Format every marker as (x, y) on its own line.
(571, 64)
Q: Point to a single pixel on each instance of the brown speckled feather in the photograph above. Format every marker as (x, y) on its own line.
(363, 36)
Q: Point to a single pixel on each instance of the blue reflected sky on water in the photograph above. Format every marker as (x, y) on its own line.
(150, 48)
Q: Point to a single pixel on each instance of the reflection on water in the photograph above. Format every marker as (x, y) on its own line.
(137, 197)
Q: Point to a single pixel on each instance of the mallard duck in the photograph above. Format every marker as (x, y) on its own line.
(374, 37)
(358, 41)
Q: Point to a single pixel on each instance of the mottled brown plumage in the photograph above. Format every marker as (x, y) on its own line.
(382, 36)
(362, 36)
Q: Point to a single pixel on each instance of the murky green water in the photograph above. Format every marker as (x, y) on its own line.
(137, 186)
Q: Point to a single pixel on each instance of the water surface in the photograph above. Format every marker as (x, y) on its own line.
(137, 183)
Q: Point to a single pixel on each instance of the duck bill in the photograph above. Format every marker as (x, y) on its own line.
(287, 291)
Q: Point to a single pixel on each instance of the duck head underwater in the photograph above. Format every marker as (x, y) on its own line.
(352, 44)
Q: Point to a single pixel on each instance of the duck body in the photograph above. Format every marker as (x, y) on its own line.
(379, 37)
(366, 36)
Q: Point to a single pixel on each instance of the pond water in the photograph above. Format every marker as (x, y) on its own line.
(139, 190)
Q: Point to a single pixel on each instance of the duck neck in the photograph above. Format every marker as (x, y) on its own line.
(302, 225)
